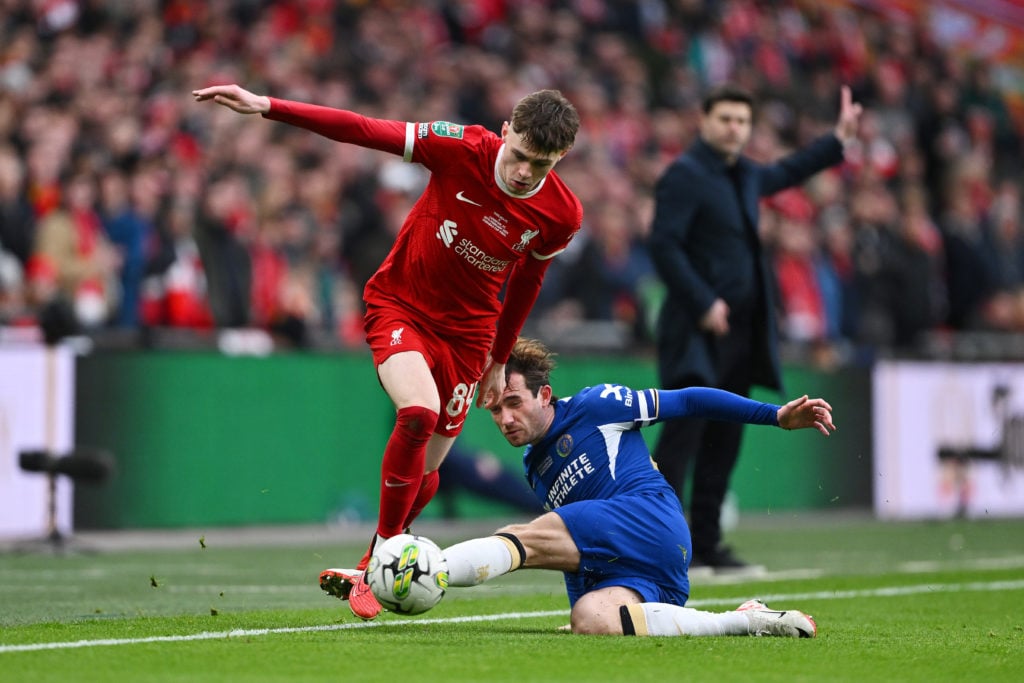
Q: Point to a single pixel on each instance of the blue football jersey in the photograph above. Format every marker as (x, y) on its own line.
(594, 469)
(594, 449)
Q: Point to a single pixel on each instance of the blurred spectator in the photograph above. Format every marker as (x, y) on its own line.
(941, 136)
(987, 107)
(1004, 230)
(970, 264)
(129, 231)
(17, 233)
(17, 220)
(837, 273)
(174, 291)
(898, 270)
(284, 296)
(606, 278)
(225, 228)
(72, 260)
(798, 264)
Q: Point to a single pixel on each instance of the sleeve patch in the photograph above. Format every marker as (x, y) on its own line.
(447, 130)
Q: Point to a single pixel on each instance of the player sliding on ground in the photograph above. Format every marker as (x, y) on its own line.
(616, 528)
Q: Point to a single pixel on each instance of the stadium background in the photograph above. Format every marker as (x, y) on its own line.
(209, 428)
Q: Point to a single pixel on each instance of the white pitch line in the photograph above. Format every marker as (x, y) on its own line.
(973, 586)
(249, 633)
(1012, 562)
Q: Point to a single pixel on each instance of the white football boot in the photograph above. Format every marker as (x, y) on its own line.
(768, 622)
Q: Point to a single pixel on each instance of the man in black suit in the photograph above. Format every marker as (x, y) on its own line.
(717, 326)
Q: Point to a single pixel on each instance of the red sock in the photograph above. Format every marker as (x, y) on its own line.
(428, 487)
(402, 470)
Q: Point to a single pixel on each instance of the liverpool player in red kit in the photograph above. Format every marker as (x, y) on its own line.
(492, 212)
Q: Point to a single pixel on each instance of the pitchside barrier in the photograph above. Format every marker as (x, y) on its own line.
(202, 438)
(36, 395)
(948, 440)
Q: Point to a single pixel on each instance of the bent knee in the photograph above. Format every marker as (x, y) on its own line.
(598, 612)
(593, 623)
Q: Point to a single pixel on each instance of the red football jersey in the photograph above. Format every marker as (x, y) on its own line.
(466, 232)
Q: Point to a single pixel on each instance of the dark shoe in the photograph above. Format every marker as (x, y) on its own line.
(722, 560)
(720, 557)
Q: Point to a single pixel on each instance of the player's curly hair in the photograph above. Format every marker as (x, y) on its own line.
(534, 361)
(547, 122)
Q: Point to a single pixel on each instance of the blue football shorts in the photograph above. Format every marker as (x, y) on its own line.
(639, 541)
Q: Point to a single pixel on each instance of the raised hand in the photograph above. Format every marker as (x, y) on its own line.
(804, 412)
(849, 116)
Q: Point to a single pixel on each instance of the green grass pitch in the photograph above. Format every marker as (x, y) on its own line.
(922, 601)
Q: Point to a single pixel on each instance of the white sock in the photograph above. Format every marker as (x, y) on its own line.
(470, 563)
(661, 619)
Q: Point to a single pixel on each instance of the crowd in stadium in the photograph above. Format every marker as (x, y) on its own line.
(134, 208)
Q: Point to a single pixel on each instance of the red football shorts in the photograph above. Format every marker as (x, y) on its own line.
(456, 363)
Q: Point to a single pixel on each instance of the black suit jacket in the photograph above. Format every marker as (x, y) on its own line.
(704, 244)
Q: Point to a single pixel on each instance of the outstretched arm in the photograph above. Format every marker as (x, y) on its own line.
(234, 97)
(823, 152)
(717, 404)
(337, 124)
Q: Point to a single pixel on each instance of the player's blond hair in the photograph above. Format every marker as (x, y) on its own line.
(534, 361)
(546, 121)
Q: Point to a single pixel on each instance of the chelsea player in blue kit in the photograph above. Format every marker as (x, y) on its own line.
(615, 527)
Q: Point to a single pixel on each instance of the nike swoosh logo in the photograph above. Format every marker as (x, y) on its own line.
(395, 484)
(451, 426)
(461, 196)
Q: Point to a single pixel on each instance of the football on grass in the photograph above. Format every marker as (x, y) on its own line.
(407, 574)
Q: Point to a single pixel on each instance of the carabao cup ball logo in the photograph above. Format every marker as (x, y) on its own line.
(405, 572)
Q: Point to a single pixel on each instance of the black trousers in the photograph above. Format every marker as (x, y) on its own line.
(709, 447)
